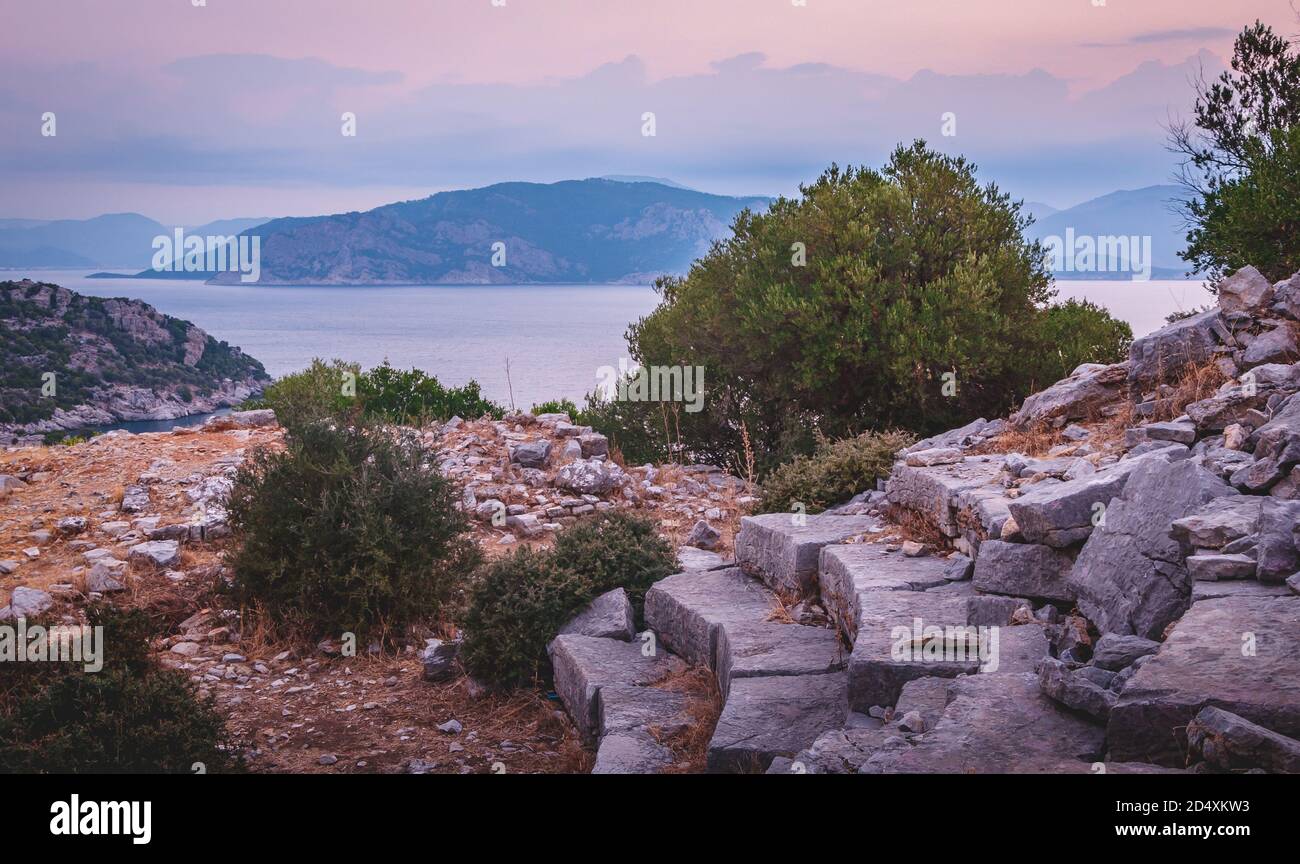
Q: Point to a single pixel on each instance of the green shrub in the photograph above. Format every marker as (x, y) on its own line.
(1250, 219)
(557, 406)
(339, 390)
(519, 603)
(349, 530)
(131, 716)
(616, 550)
(411, 396)
(835, 472)
(316, 393)
(1241, 160)
(1074, 332)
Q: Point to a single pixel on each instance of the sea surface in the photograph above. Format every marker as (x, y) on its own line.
(555, 337)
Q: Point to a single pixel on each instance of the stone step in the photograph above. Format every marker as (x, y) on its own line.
(847, 572)
(782, 549)
(770, 717)
(585, 665)
(884, 656)
(769, 649)
(687, 610)
(997, 724)
(633, 721)
(963, 500)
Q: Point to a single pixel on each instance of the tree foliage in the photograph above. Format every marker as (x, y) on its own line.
(916, 275)
(1241, 163)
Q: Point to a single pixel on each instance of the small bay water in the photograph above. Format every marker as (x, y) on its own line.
(555, 337)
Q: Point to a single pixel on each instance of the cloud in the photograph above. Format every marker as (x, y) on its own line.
(1161, 37)
(742, 127)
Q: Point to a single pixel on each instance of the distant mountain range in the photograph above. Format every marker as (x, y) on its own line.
(620, 228)
(112, 240)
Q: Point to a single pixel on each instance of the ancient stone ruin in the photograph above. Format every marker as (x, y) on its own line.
(1106, 581)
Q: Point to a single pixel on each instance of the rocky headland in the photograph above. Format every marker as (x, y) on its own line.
(70, 362)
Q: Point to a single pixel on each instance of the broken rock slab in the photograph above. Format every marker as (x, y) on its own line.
(584, 665)
(782, 549)
(155, 553)
(688, 609)
(1130, 577)
(1220, 522)
(1276, 547)
(896, 642)
(633, 723)
(1114, 652)
(936, 493)
(1088, 390)
(850, 570)
(1232, 743)
(1243, 588)
(768, 649)
(631, 752)
(1018, 650)
(997, 724)
(769, 717)
(1164, 354)
(608, 617)
(1246, 290)
(839, 751)
(1074, 690)
(1235, 653)
(691, 558)
(27, 602)
(1064, 514)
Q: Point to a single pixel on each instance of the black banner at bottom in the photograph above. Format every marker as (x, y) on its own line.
(140, 816)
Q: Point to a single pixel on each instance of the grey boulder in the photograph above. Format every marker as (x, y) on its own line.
(1130, 577)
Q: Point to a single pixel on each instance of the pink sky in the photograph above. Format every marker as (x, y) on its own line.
(531, 40)
(138, 76)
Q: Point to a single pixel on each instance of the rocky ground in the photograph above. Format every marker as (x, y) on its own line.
(140, 518)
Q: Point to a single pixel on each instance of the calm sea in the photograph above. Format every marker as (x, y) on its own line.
(555, 337)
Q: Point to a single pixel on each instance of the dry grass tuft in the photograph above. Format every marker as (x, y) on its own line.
(911, 525)
(690, 745)
(1194, 384)
(1034, 440)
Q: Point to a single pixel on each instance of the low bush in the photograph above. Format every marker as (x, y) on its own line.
(131, 716)
(411, 396)
(320, 391)
(341, 391)
(834, 473)
(557, 406)
(617, 550)
(520, 602)
(348, 529)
